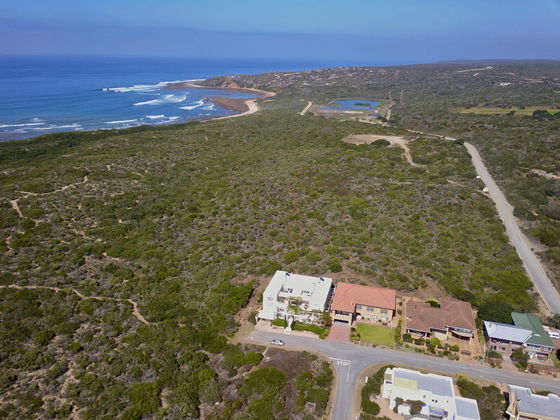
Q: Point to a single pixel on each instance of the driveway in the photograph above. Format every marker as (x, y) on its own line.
(340, 333)
(351, 359)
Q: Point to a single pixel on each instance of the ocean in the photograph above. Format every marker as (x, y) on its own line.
(41, 95)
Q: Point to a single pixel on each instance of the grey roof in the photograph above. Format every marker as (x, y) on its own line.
(467, 408)
(506, 332)
(432, 383)
(536, 404)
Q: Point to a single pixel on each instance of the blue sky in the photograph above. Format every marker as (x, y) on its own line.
(389, 30)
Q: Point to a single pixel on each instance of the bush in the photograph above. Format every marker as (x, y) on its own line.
(415, 406)
(381, 143)
(370, 407)
(494, 354)
(305, 327)
(469, 389)
(144, 397)
(334, 265)
(496, 310)
(520, 358)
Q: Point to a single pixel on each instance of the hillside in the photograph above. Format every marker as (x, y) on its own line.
(181, 222)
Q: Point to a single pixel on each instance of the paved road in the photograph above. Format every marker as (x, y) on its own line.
(533, 266)
(351, 359)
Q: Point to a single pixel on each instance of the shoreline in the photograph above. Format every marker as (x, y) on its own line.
(241, 107)
(250, 106)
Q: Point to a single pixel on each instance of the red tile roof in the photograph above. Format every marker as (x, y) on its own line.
(347, 295)
(451, 313)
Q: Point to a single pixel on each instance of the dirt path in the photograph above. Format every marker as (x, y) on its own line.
(396, 141)
(15, 206)
(309, 103)
(15, 203)
(135, 311)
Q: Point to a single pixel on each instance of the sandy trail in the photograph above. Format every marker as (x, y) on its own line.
(15, 203)
(15, 206)
(253, 107)
(396, 141)
(135, 312)
(309, 103)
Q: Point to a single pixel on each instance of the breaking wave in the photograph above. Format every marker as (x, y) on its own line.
(196, 105)
(164, 100)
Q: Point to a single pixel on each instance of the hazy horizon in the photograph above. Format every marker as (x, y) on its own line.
(400, 32)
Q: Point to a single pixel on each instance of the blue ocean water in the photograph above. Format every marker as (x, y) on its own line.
(39, 95)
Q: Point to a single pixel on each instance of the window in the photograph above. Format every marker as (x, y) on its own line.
(371, 308)
(358, 307)
(383, 311)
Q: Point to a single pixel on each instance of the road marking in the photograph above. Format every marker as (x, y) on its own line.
(342, 362)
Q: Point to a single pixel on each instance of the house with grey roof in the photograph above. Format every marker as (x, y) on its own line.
(404, 386)
(524, 405)
(528, 333)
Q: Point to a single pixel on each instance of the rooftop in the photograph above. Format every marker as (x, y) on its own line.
(506, 332)
(347, 296)
(411, 379)
(540, 405)
(314, 290)
(467, 408)
(532, 323)
(422, 316)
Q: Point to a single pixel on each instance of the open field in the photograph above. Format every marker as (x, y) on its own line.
(376, 334)
(497, 111)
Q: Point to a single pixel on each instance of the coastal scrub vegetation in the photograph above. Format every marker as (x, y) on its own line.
(509, 110)
(180, 220)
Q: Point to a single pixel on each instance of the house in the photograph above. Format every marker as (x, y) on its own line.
(353, 302)
(436, 393)
(524, 405)
(452, 318)
(528, 332)
(301, 298)
(504, 338)
(539, 344)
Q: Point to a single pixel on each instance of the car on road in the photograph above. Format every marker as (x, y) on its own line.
(277, 342)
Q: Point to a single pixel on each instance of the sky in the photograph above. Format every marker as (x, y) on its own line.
(360, 30)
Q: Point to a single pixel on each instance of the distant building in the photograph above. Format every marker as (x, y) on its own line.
(353, 302)
(436, 393)
(453, 318)
(528, 332)
(303, 298)
(524, 405)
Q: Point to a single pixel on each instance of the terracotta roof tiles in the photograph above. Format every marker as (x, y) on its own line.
(347, 296)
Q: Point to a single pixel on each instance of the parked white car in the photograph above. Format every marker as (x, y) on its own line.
(277, 342)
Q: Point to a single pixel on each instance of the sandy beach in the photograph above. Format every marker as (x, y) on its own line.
(244, 107)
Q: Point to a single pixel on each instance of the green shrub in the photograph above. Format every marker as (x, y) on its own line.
(144, 397)
(496, 310)
(370, 407)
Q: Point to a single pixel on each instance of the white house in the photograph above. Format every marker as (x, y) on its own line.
(304, 298)
(436, 393)
(524, 405)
